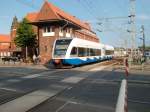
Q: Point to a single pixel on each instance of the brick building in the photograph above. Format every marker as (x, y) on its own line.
(51, 23)
(5, 45)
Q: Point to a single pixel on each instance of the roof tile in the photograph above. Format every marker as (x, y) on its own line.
(5, 38)
(32, 16)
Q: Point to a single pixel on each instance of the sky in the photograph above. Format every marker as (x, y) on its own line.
(108, 18)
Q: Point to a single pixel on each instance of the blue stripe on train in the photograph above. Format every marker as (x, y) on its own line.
(78, 61)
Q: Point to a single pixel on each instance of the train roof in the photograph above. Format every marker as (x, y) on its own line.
(90, 44)
(108, 47)
(85, 43)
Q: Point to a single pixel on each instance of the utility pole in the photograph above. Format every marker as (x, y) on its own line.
(133, 27)
(143, 38)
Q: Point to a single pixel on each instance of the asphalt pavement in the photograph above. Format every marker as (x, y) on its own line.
(79, 89)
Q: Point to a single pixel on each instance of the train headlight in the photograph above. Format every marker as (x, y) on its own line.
(57, 61)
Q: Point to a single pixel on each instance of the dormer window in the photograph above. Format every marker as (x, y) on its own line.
(48, 31)
(60, 32)
(68, 32)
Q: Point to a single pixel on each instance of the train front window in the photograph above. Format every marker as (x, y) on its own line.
(74, 51)
(61, 47)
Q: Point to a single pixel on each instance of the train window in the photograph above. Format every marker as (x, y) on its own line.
(74, 51)
(95, 52)
(82, 52)
(61, 46)
(92, 52)
(98, 52)
(109, 52)
(63, 42)
(88, 52)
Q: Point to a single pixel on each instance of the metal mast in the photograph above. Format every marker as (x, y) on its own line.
(133, 26)
(143, 38)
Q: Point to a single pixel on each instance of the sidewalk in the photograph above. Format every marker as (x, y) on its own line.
(141, 68)
(24, 65)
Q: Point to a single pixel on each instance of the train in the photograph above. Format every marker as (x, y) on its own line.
(76, 52)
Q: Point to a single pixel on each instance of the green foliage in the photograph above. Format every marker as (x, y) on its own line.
(147, 48)
(25, 35)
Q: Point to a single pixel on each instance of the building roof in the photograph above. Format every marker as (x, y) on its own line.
(32, 16)
(5, 38)
(60, 15)
(64, 15)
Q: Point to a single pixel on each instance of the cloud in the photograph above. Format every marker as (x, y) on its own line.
(143, 17)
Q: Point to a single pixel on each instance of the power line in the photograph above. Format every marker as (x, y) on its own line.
(87, 8)
(31, 4)
(113, 18)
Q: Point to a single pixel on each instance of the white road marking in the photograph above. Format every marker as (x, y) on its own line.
(73, 102)
(47, 73)
(79, 77)
(60, 108)
(56, 86)
(26, 102)
(32, 76)
(8, 89)
(13, 80)
(73, 79)
(69, 88)
(98, 68)
(101, 67)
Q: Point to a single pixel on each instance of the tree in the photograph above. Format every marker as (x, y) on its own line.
(25, 36)
(147, 48)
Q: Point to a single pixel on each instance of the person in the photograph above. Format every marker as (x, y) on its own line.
(34, 59)
(19, 57)
(38, 59)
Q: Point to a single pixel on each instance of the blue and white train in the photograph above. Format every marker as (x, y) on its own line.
(75, 52)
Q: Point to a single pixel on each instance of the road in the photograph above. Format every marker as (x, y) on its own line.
(91, 88)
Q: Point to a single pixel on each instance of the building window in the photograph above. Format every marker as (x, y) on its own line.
(60, 32)
(68, 32)
(48, 31)
(45, 29)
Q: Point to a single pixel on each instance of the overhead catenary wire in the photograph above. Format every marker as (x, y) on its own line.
(29, 4)
(87, 8)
